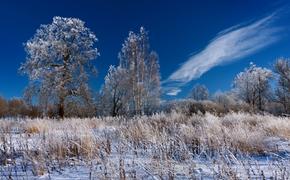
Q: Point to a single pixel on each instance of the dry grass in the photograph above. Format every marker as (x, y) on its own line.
(168, 143)
(243, 132)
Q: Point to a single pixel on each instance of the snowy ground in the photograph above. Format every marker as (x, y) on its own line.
(103, 151)
(268, 166)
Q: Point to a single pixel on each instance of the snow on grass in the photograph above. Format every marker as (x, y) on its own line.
(173, 145)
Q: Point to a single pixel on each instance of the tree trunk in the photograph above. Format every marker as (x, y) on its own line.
(61, 108)
(63, 92)
(114, 109)
(260, 95)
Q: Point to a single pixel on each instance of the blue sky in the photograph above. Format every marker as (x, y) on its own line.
(193, 38)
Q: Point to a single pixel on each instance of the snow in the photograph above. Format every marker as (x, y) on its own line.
(148, 160)
(200, 166)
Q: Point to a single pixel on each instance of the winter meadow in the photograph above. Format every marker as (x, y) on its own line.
(61, 128)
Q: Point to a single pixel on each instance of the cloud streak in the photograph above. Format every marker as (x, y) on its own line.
(229, 45)
(173, 92)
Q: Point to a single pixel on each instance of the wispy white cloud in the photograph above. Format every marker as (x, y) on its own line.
(173, 92)
(230, 45)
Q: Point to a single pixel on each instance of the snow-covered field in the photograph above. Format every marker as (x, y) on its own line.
(162, 146)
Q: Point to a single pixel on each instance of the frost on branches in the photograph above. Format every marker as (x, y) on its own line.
(139, 69)
(252, 86)
(199, 93)
(114, 93)
(282, 68)
(58, 62)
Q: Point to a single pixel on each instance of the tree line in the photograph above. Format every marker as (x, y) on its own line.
(59, 63)
(260, 89)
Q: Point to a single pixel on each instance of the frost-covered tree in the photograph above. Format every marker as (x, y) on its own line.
(199, 93)
(152, 84)
(142, 69)
(227, 99)
(282, 68)
(58, 62)
(252, 86)
(114, 93)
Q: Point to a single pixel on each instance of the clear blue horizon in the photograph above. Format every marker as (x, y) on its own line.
(181, 32)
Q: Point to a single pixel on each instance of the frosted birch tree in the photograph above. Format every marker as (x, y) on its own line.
(142, 69)
(59, 61)
(152, 84)
(282, 68)
(253, 86)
